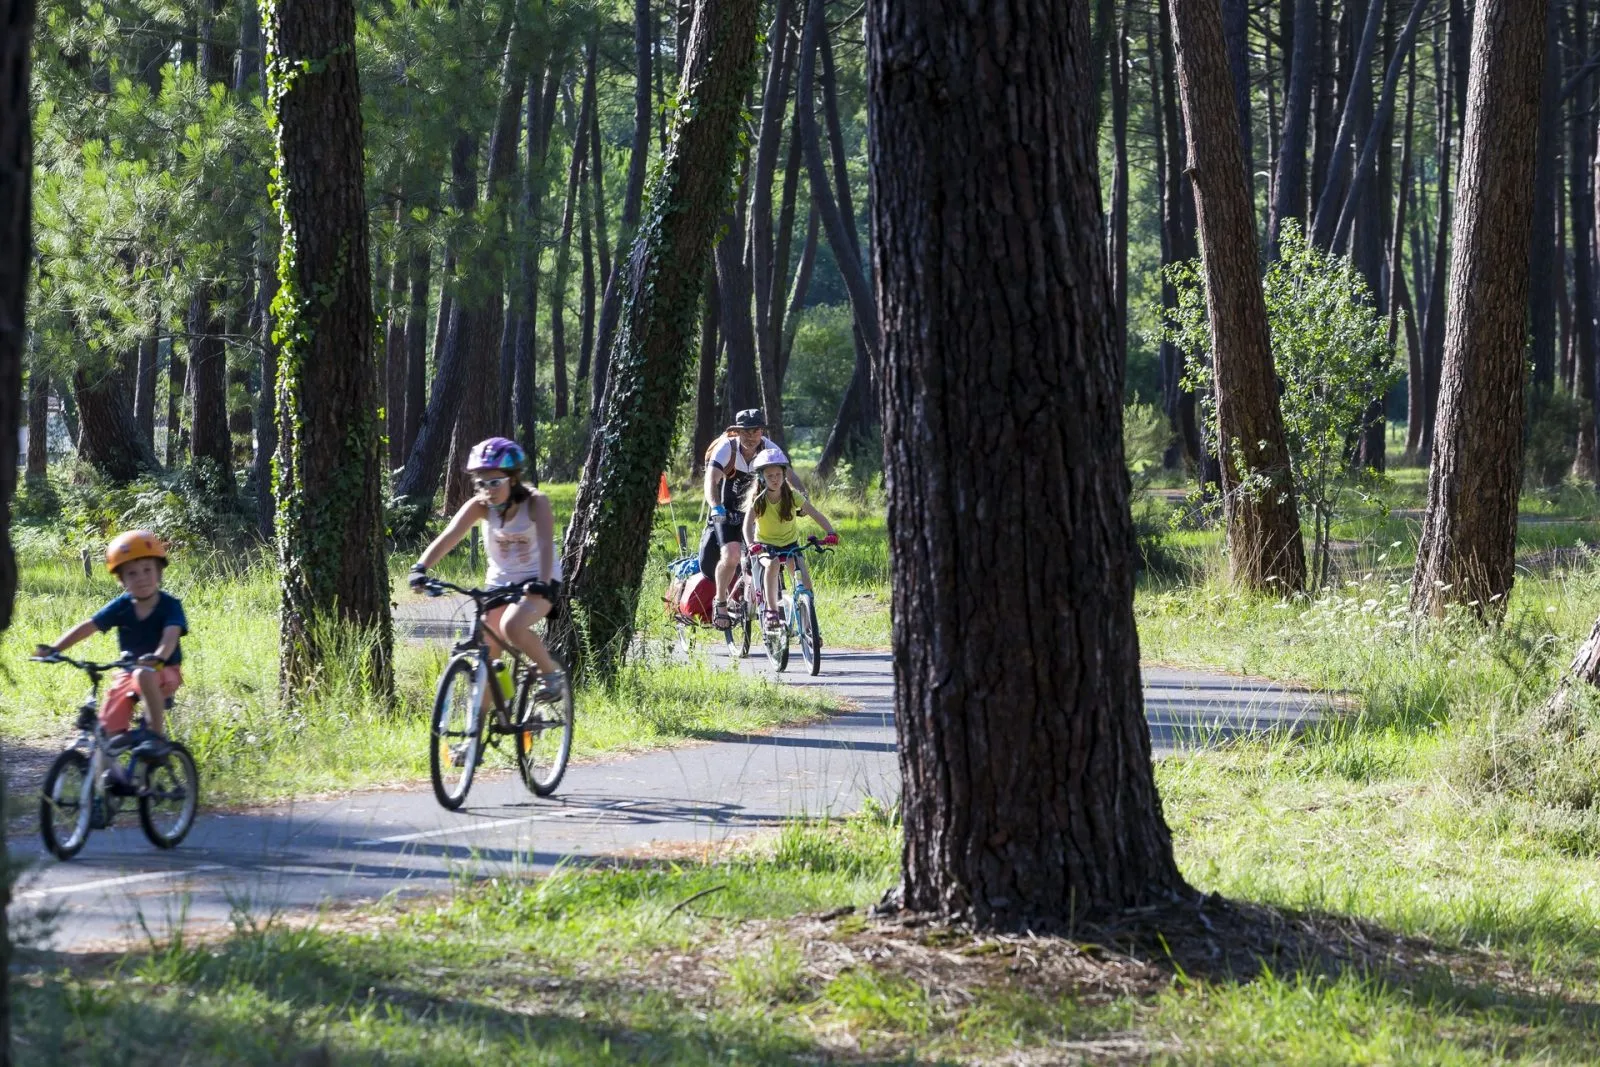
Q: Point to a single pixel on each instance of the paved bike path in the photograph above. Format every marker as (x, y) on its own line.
(366, 845)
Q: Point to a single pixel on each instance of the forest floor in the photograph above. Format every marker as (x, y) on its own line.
(1418, 881)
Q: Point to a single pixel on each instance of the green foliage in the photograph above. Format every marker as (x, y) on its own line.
(1331, 351)
(820, 365)
(1552, 443)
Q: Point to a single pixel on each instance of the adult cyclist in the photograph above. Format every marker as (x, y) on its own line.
(729, 475)
(519, 534)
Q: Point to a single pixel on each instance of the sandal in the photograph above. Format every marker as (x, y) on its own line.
(720, 619)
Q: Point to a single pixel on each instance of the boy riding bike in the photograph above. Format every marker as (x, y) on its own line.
(771, 524)
(519, 535)
(149, 623)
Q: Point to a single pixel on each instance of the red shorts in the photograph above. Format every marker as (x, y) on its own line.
(116, 714)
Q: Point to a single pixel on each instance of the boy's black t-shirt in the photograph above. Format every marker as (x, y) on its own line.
(141, 637)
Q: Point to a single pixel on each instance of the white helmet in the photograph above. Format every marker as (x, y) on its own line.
(769, 457)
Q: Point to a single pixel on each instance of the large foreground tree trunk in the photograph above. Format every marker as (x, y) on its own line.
(610, 530)
(1265, 551)
(1467, 554)
(330, 507)
(1029, 798)
(16, 261)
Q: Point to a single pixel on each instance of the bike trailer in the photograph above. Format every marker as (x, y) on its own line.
(690, 594)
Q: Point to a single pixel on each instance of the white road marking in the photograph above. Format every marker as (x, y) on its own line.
(491, 824)
(112, 883)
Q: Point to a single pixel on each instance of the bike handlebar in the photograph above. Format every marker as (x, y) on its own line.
(812, 544)
(438, 587)
(122, 663)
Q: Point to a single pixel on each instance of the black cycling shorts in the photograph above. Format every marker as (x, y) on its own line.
(730, 532)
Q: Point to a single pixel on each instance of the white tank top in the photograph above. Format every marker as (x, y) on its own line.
(513, 546)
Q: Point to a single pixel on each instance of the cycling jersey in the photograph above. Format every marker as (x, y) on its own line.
(735, 466)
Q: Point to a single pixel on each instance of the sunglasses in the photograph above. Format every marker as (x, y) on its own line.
(489, 483)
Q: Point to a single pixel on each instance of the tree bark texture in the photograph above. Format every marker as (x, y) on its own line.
(144, 393)
(330, 509)
(267, 406)
(1265, 551)
(1467, 553)
(1029, 799)
(610, 530)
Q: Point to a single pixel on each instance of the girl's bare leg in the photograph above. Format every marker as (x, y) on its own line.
(518, 629)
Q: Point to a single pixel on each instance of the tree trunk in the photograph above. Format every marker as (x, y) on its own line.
(1585, 467)
(394, 347)
(482, 306)
(586, 296)
(146, 379)
(1546, 189)
(1265, 551)
(1029, 799)
(1177, 241)
(769, 139)
(1236, 34)
(1331, 194)
(1467, 553)
(416, 384)
(1433, 318)
(558, 280)
(330, 508)
(211, 445)
(1289, 181)
(1378, 127)
(610, 530)
(734, 307)
(706, 423)
(108, 435)
(541, 116)
(38, 424)
(840, 230)
(1117, 224)
(638, 157)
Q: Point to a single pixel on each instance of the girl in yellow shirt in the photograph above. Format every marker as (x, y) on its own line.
(772, 523)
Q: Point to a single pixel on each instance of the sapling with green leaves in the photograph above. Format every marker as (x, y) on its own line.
(1332, 354)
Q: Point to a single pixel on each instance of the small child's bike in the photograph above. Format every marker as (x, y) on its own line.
(90, 781)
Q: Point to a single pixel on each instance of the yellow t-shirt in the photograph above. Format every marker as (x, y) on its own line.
(773, 529)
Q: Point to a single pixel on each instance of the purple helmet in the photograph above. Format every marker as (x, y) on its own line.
(497, 453)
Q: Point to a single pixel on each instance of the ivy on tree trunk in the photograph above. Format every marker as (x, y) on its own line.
(610, 531)
(330, 507)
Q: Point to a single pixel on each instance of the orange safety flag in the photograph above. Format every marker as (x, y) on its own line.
(664, 493)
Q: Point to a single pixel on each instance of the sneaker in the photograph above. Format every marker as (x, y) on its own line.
(458, 754)
(153, 747)
(552, 688)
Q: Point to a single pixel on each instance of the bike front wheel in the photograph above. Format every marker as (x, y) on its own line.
(169, 796)
(776, 639)
(805, 610)
(66, 804)
(544, 738)
(455, 743)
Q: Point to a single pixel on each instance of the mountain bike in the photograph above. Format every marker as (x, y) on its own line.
(798, 609)
(468, 704)
(87, 784)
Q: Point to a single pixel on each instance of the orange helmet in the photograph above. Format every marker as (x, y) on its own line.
(135, 544)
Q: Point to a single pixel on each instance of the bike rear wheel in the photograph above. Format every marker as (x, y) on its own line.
(169, 796)
(544, 738)
(805, 609)
(455, 743)
(66, 804)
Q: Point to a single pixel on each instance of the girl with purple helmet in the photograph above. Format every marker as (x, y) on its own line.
(519, 536)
